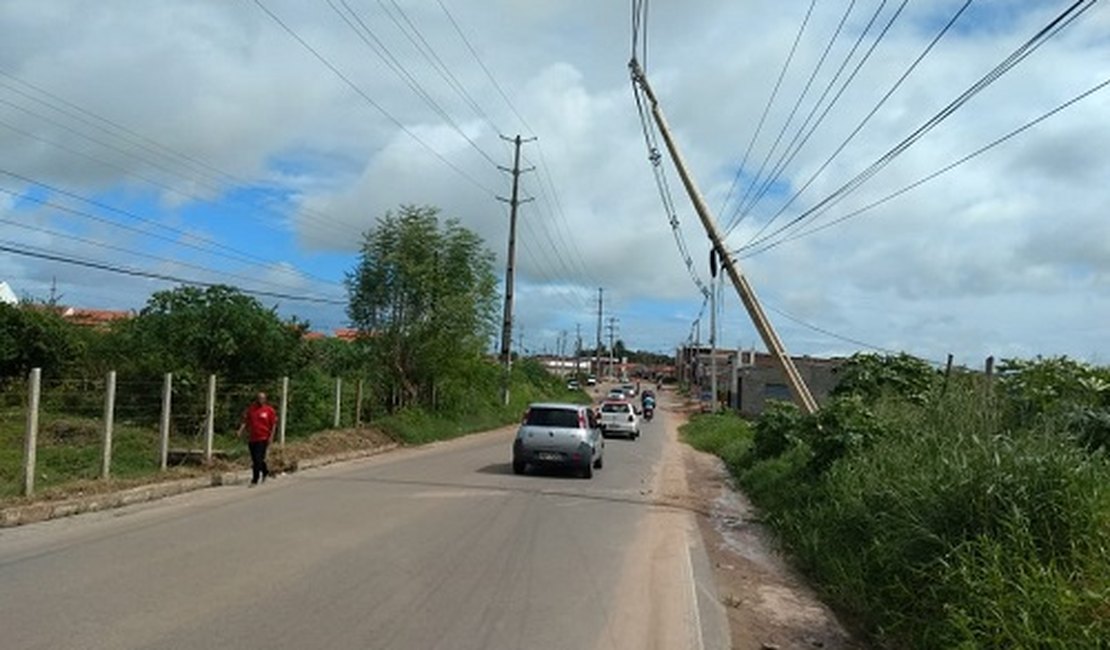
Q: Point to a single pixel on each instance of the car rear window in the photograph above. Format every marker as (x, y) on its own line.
(614, 408)
(552, 417)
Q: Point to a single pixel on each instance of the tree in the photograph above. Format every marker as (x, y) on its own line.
(424, 298)
(216, 330)
(34, 337)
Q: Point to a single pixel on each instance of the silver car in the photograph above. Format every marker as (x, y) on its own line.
(559, 435)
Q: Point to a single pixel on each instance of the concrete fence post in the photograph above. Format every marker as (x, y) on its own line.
(164, 424)
(109, 422)
(210, 419)
(30, 446)
(358, 405)
(283, 410)
(338, 401)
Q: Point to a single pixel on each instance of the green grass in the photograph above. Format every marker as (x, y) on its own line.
(418, 426)
(947, 530)
(724, 435)
(69, 447)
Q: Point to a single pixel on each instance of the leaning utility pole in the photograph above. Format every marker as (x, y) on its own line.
(798, 389)
(597, 352)
(510, 266)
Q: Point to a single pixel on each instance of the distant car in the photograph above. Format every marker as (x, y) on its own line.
(564, 435)
(616, 394)
(629, 390)
(618, 417)
(573, 385)
(591, 381)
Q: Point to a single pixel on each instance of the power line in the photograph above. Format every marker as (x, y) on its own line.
(664, 189)
(316, 218)
(370, 100)
(13, 247)
(120, 249)
(375, 44)
(866, 118)
(738, 217)
(784, 160)
(436, 62)
(485, 69)
(770, 103)
(559, 216)
(925, 179)
(232, 253)
(1061, 21)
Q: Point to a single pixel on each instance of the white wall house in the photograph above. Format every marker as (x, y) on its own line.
(7, 296)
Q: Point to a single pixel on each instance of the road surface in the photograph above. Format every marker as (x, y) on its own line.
(438, 547)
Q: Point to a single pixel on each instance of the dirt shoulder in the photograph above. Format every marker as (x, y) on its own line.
(769, 605)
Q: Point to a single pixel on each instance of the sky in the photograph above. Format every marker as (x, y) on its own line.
(253, 143)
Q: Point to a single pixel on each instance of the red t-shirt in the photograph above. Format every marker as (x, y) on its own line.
(260, 420)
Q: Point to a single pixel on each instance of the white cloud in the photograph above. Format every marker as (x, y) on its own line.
(1006, 254)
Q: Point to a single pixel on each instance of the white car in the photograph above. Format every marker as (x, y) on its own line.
(619, 417)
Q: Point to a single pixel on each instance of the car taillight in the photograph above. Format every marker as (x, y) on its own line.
(581, 420)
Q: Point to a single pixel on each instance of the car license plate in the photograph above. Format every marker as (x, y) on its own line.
(549, 456)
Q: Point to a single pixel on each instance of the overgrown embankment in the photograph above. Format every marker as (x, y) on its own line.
(958, 516)
(485, 410)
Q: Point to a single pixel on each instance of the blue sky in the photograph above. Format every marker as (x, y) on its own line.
(263, 167)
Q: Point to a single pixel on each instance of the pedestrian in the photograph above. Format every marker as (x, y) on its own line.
(259, 420)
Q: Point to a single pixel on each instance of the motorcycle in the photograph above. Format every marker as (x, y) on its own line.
(649, 412)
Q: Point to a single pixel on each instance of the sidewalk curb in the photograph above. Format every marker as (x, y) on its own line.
(19, 515)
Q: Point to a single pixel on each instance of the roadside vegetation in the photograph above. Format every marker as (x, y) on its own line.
(422, 297)
(943, 514)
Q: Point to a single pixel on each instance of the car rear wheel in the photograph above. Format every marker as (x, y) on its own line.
(588, 471)
(599, 462)
(518, 467)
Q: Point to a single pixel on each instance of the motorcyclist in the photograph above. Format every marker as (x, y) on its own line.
(648, 402)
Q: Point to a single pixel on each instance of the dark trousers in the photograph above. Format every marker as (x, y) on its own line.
(258, 460)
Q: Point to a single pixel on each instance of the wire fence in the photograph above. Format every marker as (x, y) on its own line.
(200, 425)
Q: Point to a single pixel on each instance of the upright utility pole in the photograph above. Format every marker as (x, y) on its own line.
(510, 265)
(577, 348)
(798, 389)
(597, 353)
(612, 326)
(713, 341)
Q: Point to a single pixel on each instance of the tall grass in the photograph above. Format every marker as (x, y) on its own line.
(530, 383)
(948, 528)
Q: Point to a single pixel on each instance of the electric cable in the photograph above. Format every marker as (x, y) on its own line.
(1020, 54)
(788, 155)
(867, 118)
(925, 179)
(767, 107)
(370, 100)
(738, 217)
(378, 47)
(35, 252)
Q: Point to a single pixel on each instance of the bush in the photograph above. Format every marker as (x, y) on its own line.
(777, 430)
(872, 376)
(939, 524)
(961, 524)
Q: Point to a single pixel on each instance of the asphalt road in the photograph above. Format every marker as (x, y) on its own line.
(439, 547)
